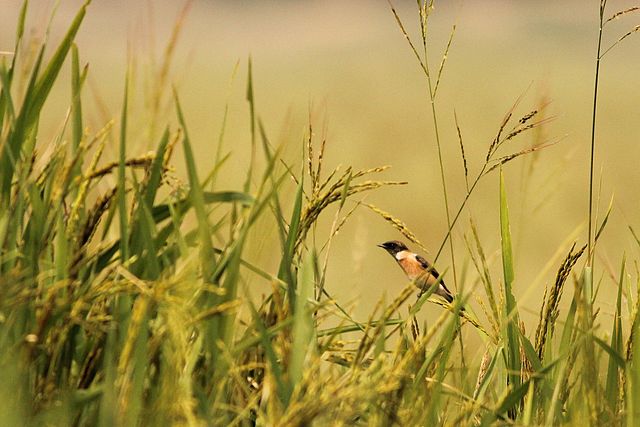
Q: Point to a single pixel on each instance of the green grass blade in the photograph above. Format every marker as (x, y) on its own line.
(283, 389)
(510, 311)
(61, 248)
(252, 118)
(107, 411)
(6, 102)
(162, 212)
(285, 271)
(50, 73)
(143, 230)
(614, 356)
(20, 27)
(77, 128)
(632, 392)
(514, 395)
(34, 100)
(528, 410)
(147, 233)
(603, 224)
(530, 351)
(18, 134)
(613, 374)
(196, 195)
(155, 171)
(76, 101)
(433, 412)
(138, 364)
(303, 326)
(121, 192)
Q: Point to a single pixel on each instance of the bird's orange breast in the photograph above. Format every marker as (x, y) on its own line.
(411, 267)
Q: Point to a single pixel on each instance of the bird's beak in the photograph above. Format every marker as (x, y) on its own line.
(381, 246)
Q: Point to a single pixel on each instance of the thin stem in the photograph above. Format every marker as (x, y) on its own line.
(460, 209)
(438, 144)
(593, 136)
(444, 189)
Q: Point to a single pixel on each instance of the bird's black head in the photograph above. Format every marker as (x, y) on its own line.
(393, 247)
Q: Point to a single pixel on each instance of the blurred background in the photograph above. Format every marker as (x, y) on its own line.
(346, 67)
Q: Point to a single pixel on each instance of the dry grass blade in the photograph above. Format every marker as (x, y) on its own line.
(486, 277)
(524, 119)
(319, 168)
(225, 307)
(367, 342)
(406, 36)
(339, 224)
(370, 324)
(496, 140)
(622, 12)
(343, 188)
(78, 203)
(633, 30)
(503, 124)
(311, 172)
(94, 216)
(364, 172)
(138, 162)
(464, 158)
(443, 61)
(505, 159)
(482, 372)
(418, 346)
(464, 315)
(328, 180)
(397, 224)
(525, 127)
(547, 320)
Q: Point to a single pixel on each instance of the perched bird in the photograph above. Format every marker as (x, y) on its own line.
(416, 268)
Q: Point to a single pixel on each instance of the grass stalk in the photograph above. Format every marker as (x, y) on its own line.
(590, 254)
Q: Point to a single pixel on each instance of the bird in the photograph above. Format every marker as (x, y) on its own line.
(416, 267)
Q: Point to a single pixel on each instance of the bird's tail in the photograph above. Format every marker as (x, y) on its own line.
(447, 295)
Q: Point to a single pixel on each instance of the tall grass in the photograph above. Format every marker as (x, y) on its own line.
(123, 297)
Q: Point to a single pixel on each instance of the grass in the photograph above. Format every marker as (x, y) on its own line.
(124, 297)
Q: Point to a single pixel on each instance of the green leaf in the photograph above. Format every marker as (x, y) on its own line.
(613, 374)
(155, 172)
(303, 326)
(604, 221)
(614, 356)
(18, 134)
(162, 212)
(6, 102)
(196, 196)
(530, 351)
(633, 376)
(121, 189)
(76, 100)
(252, 118)
(285, 271)
(143, 229)
(433, 411)
(510, 309)
(37, 93)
